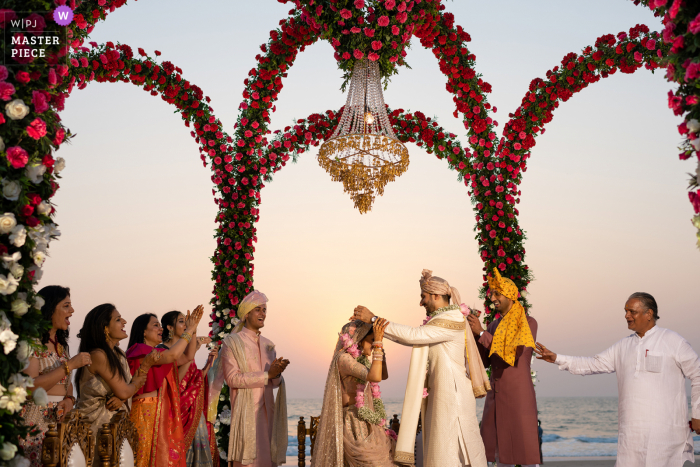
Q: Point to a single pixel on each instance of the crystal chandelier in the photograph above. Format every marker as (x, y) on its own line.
(363, 152)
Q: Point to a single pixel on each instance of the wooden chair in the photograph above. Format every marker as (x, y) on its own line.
(118, 442)
(302, 433)
(69, 440)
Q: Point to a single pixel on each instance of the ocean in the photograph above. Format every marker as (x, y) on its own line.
(573, 426)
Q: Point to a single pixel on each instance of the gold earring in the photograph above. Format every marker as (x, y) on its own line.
(107, 336)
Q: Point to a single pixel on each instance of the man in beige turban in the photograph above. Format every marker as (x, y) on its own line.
(445, 393)
(251, 370)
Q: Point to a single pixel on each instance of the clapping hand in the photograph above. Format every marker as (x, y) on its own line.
(545, 354)
(192, 320)
(277, 367)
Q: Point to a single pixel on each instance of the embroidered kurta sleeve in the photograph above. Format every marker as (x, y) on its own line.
(235, 378)
(604, 362)
(348, 366)
(689, 363)
(407, 335)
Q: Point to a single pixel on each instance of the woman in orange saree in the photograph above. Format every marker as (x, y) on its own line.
(201, 452)
(156, 406)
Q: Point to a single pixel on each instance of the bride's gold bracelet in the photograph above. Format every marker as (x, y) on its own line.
(187, 336)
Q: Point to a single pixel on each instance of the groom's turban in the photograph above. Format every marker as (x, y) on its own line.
(438, 286)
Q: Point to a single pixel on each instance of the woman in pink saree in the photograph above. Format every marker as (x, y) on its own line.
(193, 392)
(351, 432)
(156, 406)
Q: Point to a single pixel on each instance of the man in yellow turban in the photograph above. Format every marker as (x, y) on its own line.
(509, 423)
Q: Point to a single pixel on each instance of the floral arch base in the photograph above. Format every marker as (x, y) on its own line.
(241, 164)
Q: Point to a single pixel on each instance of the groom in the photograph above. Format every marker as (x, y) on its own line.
(451, 435)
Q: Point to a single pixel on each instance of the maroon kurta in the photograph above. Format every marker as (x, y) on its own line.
(510, 410)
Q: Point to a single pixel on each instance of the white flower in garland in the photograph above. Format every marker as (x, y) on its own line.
(225, 416)
(7, 222)
(51, 230)
(8, 451)
(23, 353)
(59, 165)
(693, 125)
(38, 302)
(18, 461)
(35, 173)
(11, 189)
(18, 236)
(19, 307)
(39, 258)
(8, 284)
(44, 208)
(16, 109)
(8, 339)
(38, 274)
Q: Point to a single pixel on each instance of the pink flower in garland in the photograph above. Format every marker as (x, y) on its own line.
(425, 393)
(17, 156)
(345, 13)
(391, 434)
(692, 72)
(360, 396)
(390, 4)
(638, 56)
(394, 59)
(376, 45)
(373, 56)
(369, 32)
(383, 21)
(695, 201)
(359, 4)
(355, 30)
(693, 26)
(402, 17)
(3, 73)
(37, 129)
(651, 44)
(6, 90)
(37, 23)
(358, 54)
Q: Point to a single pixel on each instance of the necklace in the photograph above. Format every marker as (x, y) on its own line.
(432, 314)
(57, 346)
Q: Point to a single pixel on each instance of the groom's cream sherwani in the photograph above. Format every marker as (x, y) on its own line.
(451, 436)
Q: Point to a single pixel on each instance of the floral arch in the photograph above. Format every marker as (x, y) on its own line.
(490, 167)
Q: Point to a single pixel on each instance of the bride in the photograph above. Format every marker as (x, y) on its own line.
(351, 432)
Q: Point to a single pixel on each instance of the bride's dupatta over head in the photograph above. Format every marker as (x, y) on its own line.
(328, 450)
(168, 449)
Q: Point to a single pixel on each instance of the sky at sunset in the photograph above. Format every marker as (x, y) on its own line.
(604, 201)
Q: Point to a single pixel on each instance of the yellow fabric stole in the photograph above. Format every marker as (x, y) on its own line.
(512, 332)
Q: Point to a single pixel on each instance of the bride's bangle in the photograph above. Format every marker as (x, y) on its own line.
(187, 336)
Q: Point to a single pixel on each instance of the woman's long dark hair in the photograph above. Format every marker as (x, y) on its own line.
(139, 328)
(169, 319)
(53, 295)
(92, 337)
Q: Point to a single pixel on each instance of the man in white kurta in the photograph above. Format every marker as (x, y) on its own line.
(451, 436)
(651, 366)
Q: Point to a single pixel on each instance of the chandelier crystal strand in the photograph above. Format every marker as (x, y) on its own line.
(364, 153)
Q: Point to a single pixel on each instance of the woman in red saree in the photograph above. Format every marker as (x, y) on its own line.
(201, 446)
(156, 406)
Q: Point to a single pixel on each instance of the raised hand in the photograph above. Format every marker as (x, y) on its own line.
(362, 313)
(80, 360)
(150, 360)
(192, 320)
(545, 354)
(475, 324)
(277, 367)
(202, 341)
(379, 326)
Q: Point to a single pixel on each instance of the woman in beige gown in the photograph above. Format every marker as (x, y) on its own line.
(105, 386)
(351, 432)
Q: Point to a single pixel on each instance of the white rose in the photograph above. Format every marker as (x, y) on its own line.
(11, 189)
(7, 222)
(2, 144)
(21, 381)
(8, 339)
(693, 125)
(7, 451)
(38, 302)
(59, 165)
(35, 173)
(38, 273)
(40, 397)
(13, 258)
(44, 208)
(8, 285)
(19, 307)
(19, 461)
(23, 352)
(4, 400)
(39, 258)
(17, 270)
(4, 323)
(16, 109)
(18, 235)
